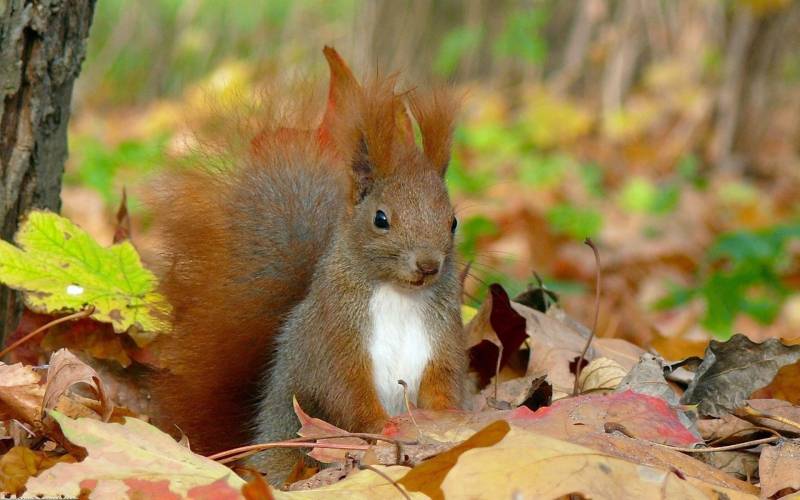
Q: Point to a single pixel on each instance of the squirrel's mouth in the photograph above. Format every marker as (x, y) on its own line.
(419, 282)
(416, 283)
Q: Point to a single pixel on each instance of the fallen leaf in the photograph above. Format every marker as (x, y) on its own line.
(647, 377)
(643, 417)
(544, 467)
(554, 344)
(732, 370)
(362, 485)
(96, 339)
(601, 374)
(20, 393)
(66, 370)
(428, 476)
(727, 425)
(676, 348)
(778, 468)
(59, 267)
(739, 464)
(444, 426)
(21, 463)
(531, 391)
(538, 298)
(786, 417)
(785, 385)
(643, 452)
(131, 459)
(314, 427)
(509, 329)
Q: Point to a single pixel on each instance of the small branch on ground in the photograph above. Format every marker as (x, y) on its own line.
(383, 475)
(410, 413)
(597, 289)
(737, 446)
(749, 413)
(83, 313)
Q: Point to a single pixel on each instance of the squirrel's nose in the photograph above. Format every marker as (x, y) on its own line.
(428, 267)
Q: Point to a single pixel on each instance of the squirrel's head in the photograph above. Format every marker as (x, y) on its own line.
(403, 228)
(399, 220)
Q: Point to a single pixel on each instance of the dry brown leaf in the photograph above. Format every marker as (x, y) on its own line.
(67, 370)
(643, 452)
(20, 463)
(779, 468)
(132, 460)
(513, 393)
(361, 485)
(601, 374)
(504, 461)
(677, 348)
(554, 345)
(314, 427)
(717, 428)
(739, 464)
(428, 476)
(448, 426)
(94, 338)
(20, 393)
(789, 413)
(785, 385)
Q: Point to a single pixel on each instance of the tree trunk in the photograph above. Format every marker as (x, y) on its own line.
(42, 46)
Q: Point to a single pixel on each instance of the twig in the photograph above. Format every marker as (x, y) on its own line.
(591, 244)
(497, 368)
(410, 413)
(309, 442)
(83, 313)
(752, 412)
(545, 297)
(383, 475)
(737, 446)
(243, 451)
(741, 431)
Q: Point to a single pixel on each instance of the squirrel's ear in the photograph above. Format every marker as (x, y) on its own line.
(363, 172)
(343, 86)
(435, 113)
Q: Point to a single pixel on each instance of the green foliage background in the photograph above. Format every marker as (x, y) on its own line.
(578, 145)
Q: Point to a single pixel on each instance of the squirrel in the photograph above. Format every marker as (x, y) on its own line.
(318, 266)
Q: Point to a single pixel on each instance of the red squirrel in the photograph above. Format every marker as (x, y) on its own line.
(319, 266)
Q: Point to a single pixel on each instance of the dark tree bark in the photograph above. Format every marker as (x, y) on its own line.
(42, 46)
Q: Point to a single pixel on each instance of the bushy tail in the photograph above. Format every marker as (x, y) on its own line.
(240, 245)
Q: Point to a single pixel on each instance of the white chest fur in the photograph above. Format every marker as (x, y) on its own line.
(400, 346)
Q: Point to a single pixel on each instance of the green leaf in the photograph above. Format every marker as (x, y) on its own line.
(59, 267)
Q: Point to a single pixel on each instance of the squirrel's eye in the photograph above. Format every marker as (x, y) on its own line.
(454, 225)
(381, 221)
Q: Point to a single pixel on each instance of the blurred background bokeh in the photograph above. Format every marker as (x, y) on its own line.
(668, 131)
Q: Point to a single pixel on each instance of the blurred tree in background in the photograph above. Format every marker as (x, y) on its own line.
(667, 130)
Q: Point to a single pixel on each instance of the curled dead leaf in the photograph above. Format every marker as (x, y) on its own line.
(601, 374)
(67, 370)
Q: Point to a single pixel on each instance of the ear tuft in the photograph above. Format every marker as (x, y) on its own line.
(435, 113)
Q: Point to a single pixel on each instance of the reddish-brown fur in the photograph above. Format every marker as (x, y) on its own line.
(238, 262)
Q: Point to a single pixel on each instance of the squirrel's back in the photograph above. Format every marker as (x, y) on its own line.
(240, 247)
